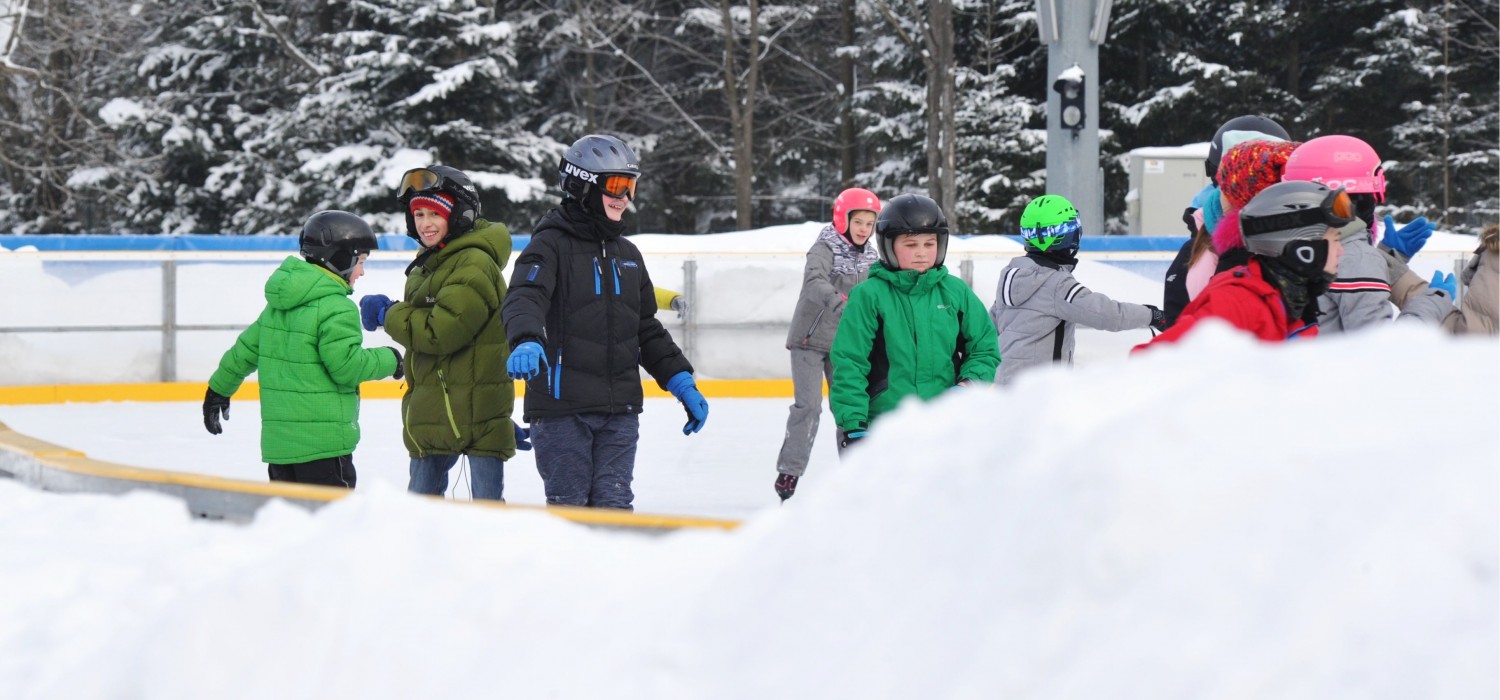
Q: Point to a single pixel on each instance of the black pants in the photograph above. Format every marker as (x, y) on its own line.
(329, 471)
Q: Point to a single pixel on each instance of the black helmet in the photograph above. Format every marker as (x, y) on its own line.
(910, 213)
(1248, 122)
(335, 240)
(588, 163)
(450, 181)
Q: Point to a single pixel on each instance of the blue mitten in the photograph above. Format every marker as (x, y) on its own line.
(1446, 283)
(1409, 239)
(372, 310)
(523, 442)
(682, 386)
(852, 436)
(525, 361)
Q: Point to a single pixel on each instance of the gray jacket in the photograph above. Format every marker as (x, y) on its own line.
(834, 266)
(1361, 296)
(1036, 308)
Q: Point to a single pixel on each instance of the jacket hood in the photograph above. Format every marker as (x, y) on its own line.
(492, 238)
(1030, 276)
(572, 219)
(910, 281)
(298, 282)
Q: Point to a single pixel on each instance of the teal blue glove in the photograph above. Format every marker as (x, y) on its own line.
(525, 361)
(1446, 283)
(1409, 239)
(852, 436)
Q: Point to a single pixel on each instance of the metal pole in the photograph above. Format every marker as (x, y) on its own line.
(1073, 169)
(689, 318)
(966, 271)
(169, 321)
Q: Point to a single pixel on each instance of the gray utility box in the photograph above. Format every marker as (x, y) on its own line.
(1163, 181)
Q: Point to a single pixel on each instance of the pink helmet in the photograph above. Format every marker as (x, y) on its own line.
(1338, 161)
(849, 201)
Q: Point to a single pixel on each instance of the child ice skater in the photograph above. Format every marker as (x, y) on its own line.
(1039, 303)
(911, 329)
(837, 261)
(307, 346)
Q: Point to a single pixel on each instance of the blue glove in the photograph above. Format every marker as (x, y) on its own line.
(682, 386)
(372, 310)
(526, 360)
(1447, 284)
(852, 436)
(1408, 239)
(522, 442)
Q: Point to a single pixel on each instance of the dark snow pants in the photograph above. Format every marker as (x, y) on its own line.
(809, 368)
(329, 471)
(587, 459)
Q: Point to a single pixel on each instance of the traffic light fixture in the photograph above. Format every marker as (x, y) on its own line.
(1070, 89)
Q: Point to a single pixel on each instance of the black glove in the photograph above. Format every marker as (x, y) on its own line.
(1158, 318)
(849, 437)
(400, 368)
(214, 404)
(523, 436)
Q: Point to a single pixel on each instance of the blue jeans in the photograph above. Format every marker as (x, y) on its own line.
(429, 475)
(587, 459)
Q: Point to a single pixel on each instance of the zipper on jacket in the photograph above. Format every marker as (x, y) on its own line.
(448, 405)
(616, 268)
(609, 335)
(813, 326)
(598, 289)
(557, 376)
(411, 377)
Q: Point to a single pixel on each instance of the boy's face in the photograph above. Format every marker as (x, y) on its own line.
(916, 251)
(1335, 250)
(861, 225)
(614, 207)
(432, 227)
(359, 268)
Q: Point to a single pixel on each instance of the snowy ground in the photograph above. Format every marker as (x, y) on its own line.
(1219, 520)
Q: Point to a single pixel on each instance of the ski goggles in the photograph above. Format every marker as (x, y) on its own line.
(418, 181)
(1336, 210)
(619, 186)
(1044, 237)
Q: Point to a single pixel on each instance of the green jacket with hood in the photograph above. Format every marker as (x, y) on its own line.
(459, 397)
(308, 348)
(907, 334)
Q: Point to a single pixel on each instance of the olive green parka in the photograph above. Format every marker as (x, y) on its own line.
(459, 397)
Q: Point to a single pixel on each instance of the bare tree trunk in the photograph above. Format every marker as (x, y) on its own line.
(1447, 112)
(846, 106)
(742, 109)
(941, 126)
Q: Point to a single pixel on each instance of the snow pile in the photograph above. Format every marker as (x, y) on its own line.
(1220, 519)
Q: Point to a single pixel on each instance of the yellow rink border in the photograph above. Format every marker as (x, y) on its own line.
(41, 463)
(385, 389)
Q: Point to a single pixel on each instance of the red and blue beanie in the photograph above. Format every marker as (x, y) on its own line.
(440, 202)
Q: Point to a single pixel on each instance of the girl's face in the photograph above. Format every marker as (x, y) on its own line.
(861, 225)
(359, 269)
(916, 251)
(432, 227)
(614, 207)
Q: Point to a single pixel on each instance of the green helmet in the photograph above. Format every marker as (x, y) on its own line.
(1050, 225)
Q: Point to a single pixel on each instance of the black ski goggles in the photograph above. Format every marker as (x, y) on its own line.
(1336, 210)
(418, 181)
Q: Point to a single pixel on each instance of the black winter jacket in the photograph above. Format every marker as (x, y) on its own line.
(582, 291)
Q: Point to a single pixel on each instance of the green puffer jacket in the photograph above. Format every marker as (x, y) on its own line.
(308, 348)
(458, 398)
(904, 334)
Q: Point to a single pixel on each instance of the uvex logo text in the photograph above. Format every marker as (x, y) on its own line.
(582, 174)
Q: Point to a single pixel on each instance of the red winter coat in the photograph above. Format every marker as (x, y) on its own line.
(1242, 297)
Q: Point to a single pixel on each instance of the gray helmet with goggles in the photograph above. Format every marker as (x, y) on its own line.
(1289, 220)
(450, 181)
(595, 164)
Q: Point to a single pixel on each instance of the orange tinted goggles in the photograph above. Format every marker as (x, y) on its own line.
(619, 186)
(1341, 206)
